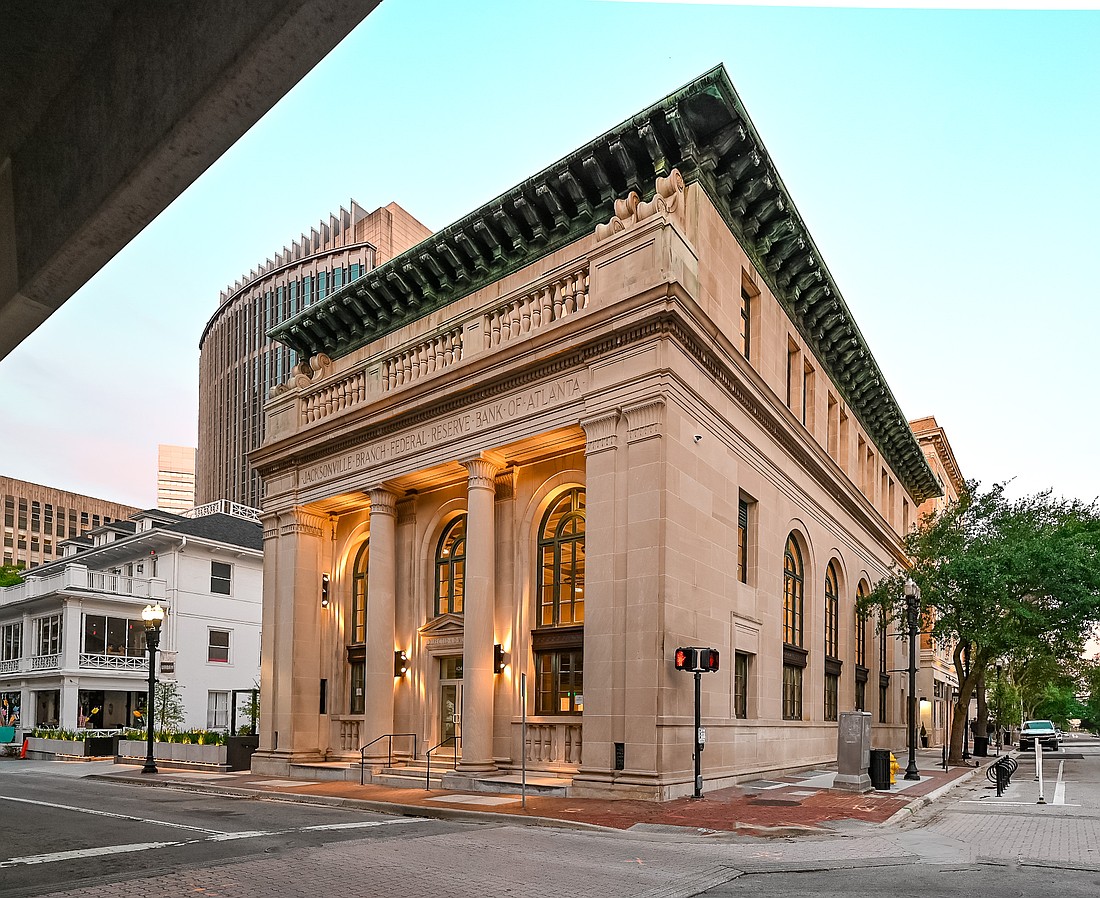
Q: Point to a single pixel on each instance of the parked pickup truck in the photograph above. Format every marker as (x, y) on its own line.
(1041, 730)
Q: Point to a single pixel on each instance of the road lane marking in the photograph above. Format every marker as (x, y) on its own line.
(1060, 786)
(98, 813)
(83, 853)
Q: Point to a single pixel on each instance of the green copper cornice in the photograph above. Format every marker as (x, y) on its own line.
(703, 130)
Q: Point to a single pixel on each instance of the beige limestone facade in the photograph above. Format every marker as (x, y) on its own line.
(599, 419)
(936, 678)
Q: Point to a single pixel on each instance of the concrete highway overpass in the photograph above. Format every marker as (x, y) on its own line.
(109, 109)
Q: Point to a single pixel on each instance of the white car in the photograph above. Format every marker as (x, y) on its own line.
(1041, 730)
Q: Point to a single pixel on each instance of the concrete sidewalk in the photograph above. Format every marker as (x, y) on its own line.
(798, 803)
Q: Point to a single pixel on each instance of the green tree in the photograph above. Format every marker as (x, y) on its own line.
(1002, 578)
(168, 704)
(11, 574)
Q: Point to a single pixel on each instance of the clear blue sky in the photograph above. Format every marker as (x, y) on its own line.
(947, 163)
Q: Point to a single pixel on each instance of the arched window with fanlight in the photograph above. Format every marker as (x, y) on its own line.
(862, 616)
(794, 655)
(832, 643)
(450, 568)
(558, 637)
(357, 663)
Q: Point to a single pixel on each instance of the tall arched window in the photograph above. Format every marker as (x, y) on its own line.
(794, 656)
(832, 643)
(861, 648)
(357, 658)
(359, 594)
(450, 568)
(561, 568)
(558, 637)
(793, 593)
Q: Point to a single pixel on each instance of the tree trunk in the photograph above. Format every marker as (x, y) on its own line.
(980, 729)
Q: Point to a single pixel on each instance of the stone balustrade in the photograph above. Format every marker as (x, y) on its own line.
(554, 744)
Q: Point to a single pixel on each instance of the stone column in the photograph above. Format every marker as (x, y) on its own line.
(381, 608)
(290, 673)
(478, 612)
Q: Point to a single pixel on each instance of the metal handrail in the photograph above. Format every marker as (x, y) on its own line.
(428, 754)
(389, 751)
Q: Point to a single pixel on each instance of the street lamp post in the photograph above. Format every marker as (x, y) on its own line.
(912, 605)
(153, 615)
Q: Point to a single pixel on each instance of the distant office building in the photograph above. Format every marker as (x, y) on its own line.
(238, 365)
(37, 518)
(176, 478)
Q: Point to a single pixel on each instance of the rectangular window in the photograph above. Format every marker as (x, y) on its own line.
(11, 641)
(357, 703)
(882, 646)
(904, 516)
(740, 685)
(832, 428)
(221, 578)
(48, 635)
(861, 695)
(861, 638)
(746, 322)
(217, 710)
(113, 636)
(883, 695)
(890, 500)
(559, 682)
(742, 541)
(792, 692)
(832, 692)
(792, 372)
(218, 646)
(808, 397)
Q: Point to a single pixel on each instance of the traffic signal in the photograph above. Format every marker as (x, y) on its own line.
(324, 590)
(696, 660)
(687, 659)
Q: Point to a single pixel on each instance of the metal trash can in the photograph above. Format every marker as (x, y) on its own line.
(880, 768)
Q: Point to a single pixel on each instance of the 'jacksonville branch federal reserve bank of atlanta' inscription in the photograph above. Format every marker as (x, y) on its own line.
(479, 417)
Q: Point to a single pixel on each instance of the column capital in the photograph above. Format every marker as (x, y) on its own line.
(299, 520)
(644, 420)
(383, 500)
(601, 431)
(483, 468)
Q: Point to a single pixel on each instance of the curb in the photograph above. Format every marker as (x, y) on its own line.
(923, 801)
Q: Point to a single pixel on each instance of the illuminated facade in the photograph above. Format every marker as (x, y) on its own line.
(619, 409)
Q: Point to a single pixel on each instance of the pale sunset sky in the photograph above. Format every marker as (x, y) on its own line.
(946, 161)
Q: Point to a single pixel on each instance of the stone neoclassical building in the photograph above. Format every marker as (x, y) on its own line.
(618, 409)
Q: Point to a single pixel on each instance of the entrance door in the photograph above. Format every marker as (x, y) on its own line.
(450, 699)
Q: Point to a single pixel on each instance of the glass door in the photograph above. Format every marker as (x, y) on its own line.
(450, 699)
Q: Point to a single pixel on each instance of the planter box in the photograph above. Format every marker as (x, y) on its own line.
(179, 752)
(92, 747)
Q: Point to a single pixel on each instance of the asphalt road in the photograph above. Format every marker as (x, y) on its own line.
(64, 835)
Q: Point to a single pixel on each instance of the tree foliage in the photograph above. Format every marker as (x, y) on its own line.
(11, 575)
(168, 704)
(1002, 578)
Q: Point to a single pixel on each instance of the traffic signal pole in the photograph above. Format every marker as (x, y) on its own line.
(698, 730)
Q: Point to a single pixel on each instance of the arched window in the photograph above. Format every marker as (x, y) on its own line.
(794, 656)
(861, 648)
(359, 595)
(832, 613)
(561, 567)
(832, 643)
(558, 637)
(793, 593)
(450, 568)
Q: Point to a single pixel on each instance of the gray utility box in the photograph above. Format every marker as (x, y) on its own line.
(853, 752)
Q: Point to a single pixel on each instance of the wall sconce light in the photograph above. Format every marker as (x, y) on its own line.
(500, 658)
(400, 663)
(324, 590)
